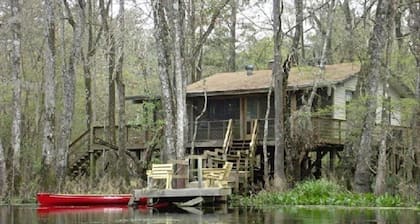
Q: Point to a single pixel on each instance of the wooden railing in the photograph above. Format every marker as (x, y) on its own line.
(136, 139)
(228, 136)
(78, 146)
(330, 131)
(214, 130)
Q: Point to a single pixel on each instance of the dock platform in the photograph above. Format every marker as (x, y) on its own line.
(182, 195)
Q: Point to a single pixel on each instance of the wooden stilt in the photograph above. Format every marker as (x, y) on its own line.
(318, 164)
(332, 160)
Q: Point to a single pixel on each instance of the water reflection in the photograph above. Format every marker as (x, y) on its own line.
(221, 214)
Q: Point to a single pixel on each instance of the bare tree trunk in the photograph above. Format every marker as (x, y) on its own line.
(87, 64)
(280, 181)
(3, 174)
(265, 137)
(196, 50)
(111, 88)
(298, 36)
(180, 81)
(104, 8)
(326, 47)
(380, 181)
(122, 129)
(110, 51)
(371, 70)
(349, 48)
(161, 33)
(69, 89)
(48, 142)
(414, 25)
(232, 40)
(196, 123)
(192, 30)
(381, 173)
(16, 77)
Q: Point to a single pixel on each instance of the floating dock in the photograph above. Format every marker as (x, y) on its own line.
(182, 195)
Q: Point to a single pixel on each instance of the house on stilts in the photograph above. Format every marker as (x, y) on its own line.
(233, 106)
(241, 97)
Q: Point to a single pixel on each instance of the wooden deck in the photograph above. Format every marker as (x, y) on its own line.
(182, 194)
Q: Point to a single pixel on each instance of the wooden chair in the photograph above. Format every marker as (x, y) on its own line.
(218, 177)
(160, 171)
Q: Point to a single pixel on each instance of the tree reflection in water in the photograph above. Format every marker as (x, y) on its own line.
(220, 214)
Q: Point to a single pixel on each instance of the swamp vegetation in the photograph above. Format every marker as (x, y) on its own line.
(68, 66)
(323, 192)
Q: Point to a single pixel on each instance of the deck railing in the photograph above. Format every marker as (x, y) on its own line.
(327, 130)
(136, 139)
(214, 130)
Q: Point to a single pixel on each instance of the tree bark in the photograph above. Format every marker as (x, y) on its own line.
(192, 17)
(87, 64)
(3, 174)
(16, 79)
(180, 81)
(380, 181)
(298, 36)
(48, 142)
(69, 89)
(110, 52)
(122, 129)
(280, 181)
(371, 70)
(161, 33)
(232, 40)
(349, 26)
(265, 137)
(381, 173)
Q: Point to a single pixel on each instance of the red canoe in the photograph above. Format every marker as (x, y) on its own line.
(48, 199)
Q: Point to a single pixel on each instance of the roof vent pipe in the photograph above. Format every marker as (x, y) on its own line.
(249, 69)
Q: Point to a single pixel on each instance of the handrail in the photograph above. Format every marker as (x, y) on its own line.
(254, 137)
(228, 137)
(78, 138)
(253, 147)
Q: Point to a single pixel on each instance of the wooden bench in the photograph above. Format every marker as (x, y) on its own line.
(218, 177)
(160, 171)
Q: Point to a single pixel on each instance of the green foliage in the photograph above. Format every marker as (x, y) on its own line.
(259, 53)
(319, 192)
(387, 200)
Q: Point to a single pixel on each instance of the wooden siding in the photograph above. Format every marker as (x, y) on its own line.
(340, 97)
(350, 85)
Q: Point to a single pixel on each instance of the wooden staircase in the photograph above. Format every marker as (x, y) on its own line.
(239, 145)
(81, 166)
(82, 153)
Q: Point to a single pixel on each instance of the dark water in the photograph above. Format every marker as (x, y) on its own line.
(33, 214)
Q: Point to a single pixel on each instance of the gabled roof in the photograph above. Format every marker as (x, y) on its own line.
(232, 83)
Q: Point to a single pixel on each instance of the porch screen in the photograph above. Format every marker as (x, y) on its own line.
(223, 109)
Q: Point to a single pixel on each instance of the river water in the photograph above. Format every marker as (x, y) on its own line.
(63, 215)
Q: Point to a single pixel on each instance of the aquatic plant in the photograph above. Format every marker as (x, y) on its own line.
(319, 192)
